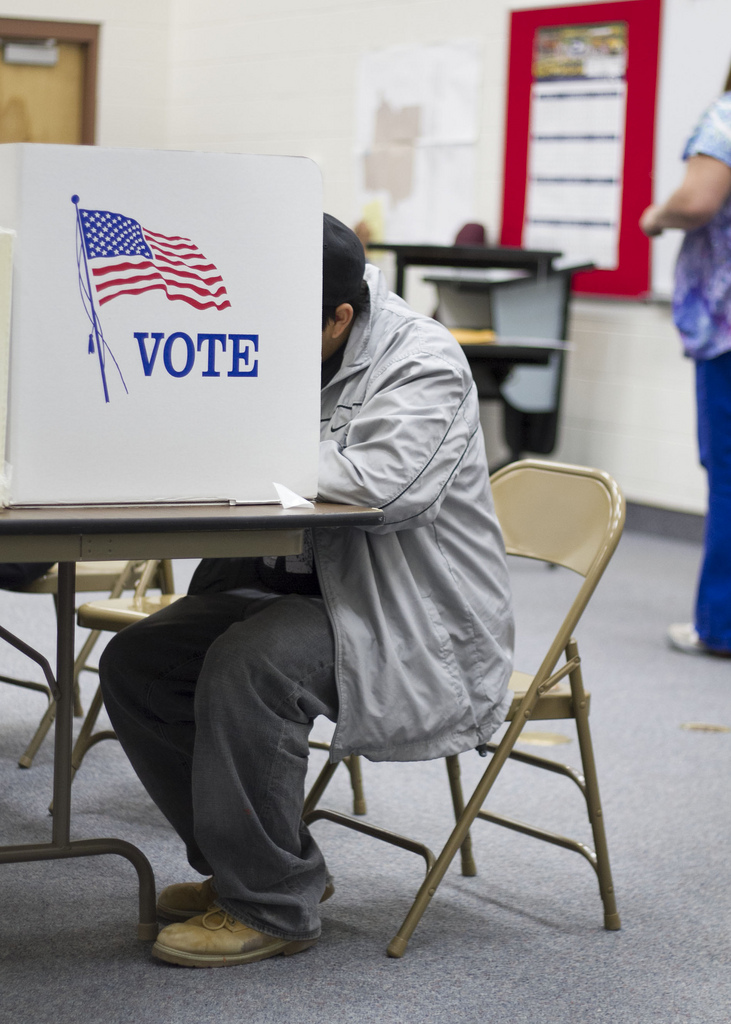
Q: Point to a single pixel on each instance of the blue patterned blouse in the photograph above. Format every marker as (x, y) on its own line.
(702, 298)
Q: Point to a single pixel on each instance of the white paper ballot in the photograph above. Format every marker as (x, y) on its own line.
(291, 500)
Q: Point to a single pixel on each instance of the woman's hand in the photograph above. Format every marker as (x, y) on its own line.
(705, 189)
(648, 221)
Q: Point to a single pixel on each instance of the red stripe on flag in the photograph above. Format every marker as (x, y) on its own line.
(183, 298)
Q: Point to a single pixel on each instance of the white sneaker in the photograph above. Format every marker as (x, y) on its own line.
(684, 637)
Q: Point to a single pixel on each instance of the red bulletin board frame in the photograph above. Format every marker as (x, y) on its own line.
(632, 277)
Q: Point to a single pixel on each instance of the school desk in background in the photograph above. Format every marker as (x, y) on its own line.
(508, 308)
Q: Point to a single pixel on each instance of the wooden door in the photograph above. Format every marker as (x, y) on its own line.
(43, 104)
(49, 104)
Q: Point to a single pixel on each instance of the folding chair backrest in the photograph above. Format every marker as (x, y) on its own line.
(567, 515)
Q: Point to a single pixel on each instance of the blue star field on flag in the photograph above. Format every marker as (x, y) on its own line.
(110, 234)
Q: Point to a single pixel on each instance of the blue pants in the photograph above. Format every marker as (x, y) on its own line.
(213, 700)
(713, 602)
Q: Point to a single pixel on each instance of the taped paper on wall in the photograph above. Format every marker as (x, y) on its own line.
(416, 133)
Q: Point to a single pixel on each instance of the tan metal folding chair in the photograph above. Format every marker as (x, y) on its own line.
(116, 613)
(567, 516)
(112, 577)
(111, 615)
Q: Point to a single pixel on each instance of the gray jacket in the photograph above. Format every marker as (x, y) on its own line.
(420, 605)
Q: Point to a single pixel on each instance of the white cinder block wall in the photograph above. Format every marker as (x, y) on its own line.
(279, 76)
(629, 403)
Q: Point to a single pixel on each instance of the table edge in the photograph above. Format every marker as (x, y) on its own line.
(65, 520)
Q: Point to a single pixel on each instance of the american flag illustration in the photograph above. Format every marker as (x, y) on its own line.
(116, 256)
(127, 259)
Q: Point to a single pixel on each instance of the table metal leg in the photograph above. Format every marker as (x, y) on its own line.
(65, 706)
(61, 846)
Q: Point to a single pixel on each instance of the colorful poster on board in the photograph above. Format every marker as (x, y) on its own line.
(577, 136)
(583, 70)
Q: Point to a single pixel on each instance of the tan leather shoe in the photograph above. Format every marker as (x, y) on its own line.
(184, 900)
(215, 939)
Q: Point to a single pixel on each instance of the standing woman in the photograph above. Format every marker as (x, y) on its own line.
(702, 312)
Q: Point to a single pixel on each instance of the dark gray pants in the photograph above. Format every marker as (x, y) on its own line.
(213, 700)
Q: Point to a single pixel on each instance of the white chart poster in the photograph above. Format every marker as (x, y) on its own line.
(576, 147)
(416, 130)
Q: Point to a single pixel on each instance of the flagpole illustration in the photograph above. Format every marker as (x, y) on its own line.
(94, 319)
(101, 343)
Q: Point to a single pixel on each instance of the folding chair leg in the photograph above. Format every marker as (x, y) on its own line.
(80, 665)
(319, 786)
(352, 763)
(469, 867)
(397, 945)
(165, 576)
(26, 759)
(86, 739)
(596, 816)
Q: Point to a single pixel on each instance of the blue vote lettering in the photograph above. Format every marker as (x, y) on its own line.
(239, 357)
(212, 339)
(148, 362)
(242, 353)
(167, 354)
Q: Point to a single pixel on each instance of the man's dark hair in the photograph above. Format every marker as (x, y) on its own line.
(359, 303)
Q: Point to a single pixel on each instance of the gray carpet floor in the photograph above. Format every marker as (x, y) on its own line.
(521, 942)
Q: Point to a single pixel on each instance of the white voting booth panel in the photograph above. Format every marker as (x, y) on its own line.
(165, 328)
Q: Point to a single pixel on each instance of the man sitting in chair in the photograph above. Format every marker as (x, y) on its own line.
(401, 633)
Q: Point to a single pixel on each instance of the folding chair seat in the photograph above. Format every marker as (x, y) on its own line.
(567, 516)
(91, 577)
(113, 615)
